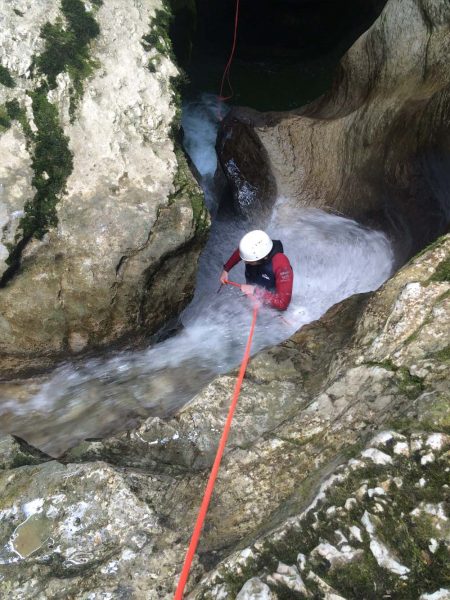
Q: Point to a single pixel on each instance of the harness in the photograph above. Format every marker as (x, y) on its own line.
(263, 274)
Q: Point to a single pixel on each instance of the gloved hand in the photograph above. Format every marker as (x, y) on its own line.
(224, 277)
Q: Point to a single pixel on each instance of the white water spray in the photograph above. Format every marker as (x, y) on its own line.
(332, 258)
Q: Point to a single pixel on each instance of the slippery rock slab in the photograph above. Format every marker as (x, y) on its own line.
(409, 320)
(392, 552)
(61, 535)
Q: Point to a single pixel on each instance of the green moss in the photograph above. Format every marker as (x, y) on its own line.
(6, 78)
(67, 48)
(158, 37)
(18, 113)
(410, 385)
(443, 355)
(362, 579)
(51, 163)
(385, 364)
(5, 121)
(12, 111)
(185, 185)
(442, 272)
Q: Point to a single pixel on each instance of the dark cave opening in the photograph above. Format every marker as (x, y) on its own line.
(286, 50)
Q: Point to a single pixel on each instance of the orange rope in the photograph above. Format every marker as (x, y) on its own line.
(228, 282)
(215, 469)
(226, 72)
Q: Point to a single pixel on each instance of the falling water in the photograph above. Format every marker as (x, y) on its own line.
(332, 258)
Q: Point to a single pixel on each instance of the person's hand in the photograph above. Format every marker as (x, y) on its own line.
(248, 290)
(224, 277)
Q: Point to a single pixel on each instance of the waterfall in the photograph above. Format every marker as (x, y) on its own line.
(332, 258)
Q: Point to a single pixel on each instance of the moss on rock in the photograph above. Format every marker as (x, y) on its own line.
(67, 47)
(52, 164)
(5, 121)
(185, 184)
(6, 78)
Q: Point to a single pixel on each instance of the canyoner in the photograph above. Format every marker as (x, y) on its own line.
(268, 272)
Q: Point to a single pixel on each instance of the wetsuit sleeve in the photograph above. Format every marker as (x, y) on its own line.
(284, 279)
(232, 261)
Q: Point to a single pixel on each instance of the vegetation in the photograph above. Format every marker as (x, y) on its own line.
(444, 354)
(67, 47)
(442, 272)
(5, 121)
(185, 185)
(6, 78)
(159, 39)
(52, 164)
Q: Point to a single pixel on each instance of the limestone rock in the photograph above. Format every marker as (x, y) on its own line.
(59, 534)
(131, 220)
(375, 147)
(391, 555)
(304, 405)
(255, 589)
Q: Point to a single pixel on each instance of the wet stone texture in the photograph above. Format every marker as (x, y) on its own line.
(372, 363)
(379, 528)
(77, 529)
(375, 147)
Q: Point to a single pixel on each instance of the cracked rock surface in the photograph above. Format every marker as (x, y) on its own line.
(306, 406)
(128, 221)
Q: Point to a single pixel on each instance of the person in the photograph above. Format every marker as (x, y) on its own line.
(268, 272)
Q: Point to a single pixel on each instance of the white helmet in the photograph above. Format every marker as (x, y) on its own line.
(255, 245)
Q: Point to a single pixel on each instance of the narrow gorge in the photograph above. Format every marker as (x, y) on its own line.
(125, 183)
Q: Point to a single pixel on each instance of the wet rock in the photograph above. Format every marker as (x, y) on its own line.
(255, 589)
(251, 182)
(375, 147)
(305, 406)
(387, 555)
(94, 280)
(60, 534)
(15, 453)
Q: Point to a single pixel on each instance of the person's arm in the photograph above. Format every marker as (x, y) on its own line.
(284, 279)
(231, 262)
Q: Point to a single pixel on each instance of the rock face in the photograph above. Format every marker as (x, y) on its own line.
(129, 220)
(376, 362)
(376, 147)
(378, 525)
(334, 483)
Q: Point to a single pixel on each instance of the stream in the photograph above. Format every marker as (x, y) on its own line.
(332, 258)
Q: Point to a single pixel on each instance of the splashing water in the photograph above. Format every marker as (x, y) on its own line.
(332, 258)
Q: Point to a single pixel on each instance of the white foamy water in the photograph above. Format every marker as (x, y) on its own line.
(332, 258)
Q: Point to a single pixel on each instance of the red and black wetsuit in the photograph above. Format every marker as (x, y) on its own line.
(274, 275)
